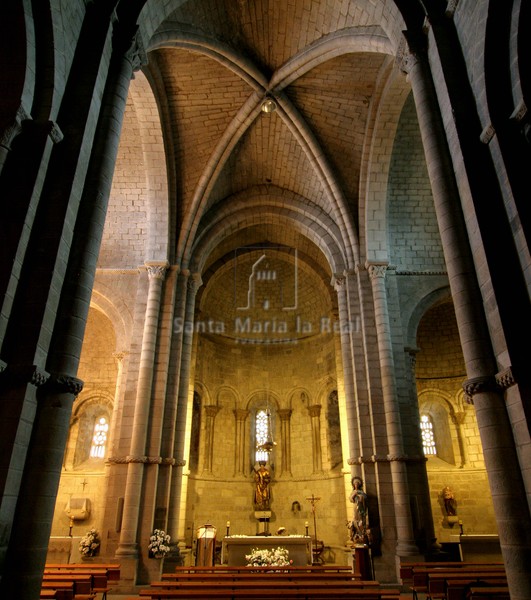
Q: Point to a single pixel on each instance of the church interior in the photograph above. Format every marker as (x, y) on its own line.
(257, 256)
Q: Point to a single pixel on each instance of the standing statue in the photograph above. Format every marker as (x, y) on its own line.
(450, 503)
(359, 533)
(262, 494)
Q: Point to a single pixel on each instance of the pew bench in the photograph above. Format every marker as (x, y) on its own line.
(112, 569)
(308, 593)
(489, 593)
(438, 583)
(248, 576)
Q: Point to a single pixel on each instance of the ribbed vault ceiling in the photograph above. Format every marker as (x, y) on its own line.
(212, 64)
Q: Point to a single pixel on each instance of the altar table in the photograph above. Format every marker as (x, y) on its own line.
(234, 548)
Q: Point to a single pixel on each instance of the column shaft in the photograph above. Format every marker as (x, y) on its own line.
(404, 528)
(135, 468)
(507, 488)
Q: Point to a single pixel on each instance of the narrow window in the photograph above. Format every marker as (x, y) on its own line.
(262, 434)
(428, 439)
(99, 438)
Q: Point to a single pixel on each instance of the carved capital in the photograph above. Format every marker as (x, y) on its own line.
(119, 356)
(240, 414)
(62, 383)
(377, 270)
(314, 410)
(451, 7)
(11, 131)
(194, 282)
(338, 282)
(132, 47)
(211, 410)
(157, 270)
(487, 134)
(478, 385)
(520, 111)
(506, 378)
(285, 414)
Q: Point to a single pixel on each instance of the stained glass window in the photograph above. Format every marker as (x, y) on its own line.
(428, 439)
(262, 434)
(99, 438)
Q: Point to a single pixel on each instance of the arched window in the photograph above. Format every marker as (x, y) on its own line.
(99, 438)
(428, 438)
(262, 434)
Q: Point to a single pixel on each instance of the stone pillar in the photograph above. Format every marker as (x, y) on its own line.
(179, 484)
(284, 415)
(211, 410)
(405, 545)
(315, 413)
(501, 460)
(340, 285)
(240, 418)
(38, 490)
(426, 517)
(116, 420)
(128, 546)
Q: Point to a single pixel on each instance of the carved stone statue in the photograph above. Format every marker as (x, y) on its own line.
(359, 533)
(262, 494)
(450, 504)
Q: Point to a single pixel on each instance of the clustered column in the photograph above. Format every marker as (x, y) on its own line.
(137, 459)
(501, 460)
(405, 539)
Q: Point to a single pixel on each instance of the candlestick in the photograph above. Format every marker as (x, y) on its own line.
(228, 528)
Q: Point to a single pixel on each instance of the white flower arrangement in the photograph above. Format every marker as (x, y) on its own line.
(277, 557)
(159, 543)
(89, 543)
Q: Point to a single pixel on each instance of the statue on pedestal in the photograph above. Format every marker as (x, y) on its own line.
(359, 533)
(262, 494)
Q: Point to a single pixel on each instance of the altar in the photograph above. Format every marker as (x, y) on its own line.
(234, 548)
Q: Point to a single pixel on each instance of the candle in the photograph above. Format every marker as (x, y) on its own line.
(228, 524)
(306, 524)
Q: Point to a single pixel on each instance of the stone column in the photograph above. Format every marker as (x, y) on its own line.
(128, 546)
(405, 545)
(284, 415)
(116, 421)
(179, 484)
(315, 413)
(421, 474)
(501, 460)
(240, 418)
(38, 490)
(211, 411)
(340, 285)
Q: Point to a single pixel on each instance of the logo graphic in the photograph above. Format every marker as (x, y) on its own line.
(271, 282)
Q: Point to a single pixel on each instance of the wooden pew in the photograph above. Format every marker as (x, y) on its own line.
(307, 593)
(489, 593)
(457, 589)
(82, 583)
(280, 576)
(438, 580)
(419, 574)
(64, 589)
(112, 569)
